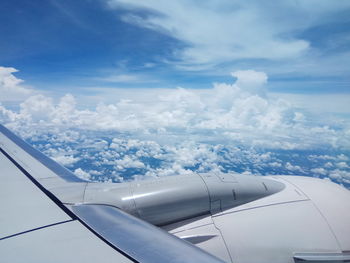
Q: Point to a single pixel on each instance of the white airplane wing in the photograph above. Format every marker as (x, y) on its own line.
(35, 226)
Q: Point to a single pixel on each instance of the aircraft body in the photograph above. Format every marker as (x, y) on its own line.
(50, 215)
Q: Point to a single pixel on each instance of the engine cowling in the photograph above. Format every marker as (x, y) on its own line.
(170, 199)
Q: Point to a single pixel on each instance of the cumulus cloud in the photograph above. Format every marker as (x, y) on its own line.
(293, 168)
(128, 162)
(240, 112)
(123, 158)
(37, 108)
(233, 127)
(82, 174)
(250, 80)
(342, 165)
(340, 176)
(66, 160)
(342, 157)
(11, 88)
(319, 171)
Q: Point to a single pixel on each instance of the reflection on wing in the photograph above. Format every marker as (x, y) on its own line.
(154, 245)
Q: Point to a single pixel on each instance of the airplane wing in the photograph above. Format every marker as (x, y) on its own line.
(35, 226)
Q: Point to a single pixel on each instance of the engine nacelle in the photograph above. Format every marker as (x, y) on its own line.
(170, 199)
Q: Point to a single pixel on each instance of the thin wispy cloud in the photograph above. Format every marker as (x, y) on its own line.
(224, 31)
(127, 78)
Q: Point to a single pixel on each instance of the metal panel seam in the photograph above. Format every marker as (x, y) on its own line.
(223, 239)
(206, 186)
(37, 228)
(260, 206)
(322, 215)
(191, 228)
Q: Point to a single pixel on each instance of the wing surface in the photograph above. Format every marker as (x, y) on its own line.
(35, 226)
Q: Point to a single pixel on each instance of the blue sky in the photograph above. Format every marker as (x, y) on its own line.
(303, 46)
(122, 89)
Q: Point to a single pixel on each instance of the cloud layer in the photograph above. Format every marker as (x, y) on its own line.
(106, 156)
(241, 112)
(231, 127)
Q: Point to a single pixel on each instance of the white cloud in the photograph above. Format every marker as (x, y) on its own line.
(342, 165)
(320, 171)
(275, 164)
(10, 86)
(318, 103)
(221, 31)
(37, 108)
(250, 80)
(322, 157)
(128, 162)
(298, 117)
(115, 156)
(342, 157)
(294, 168)
(217, 32)
(235, 112)
(82, 174)
(127, 158)
(340, 176)
(127, 78)
(328, 165)
(66, 160)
